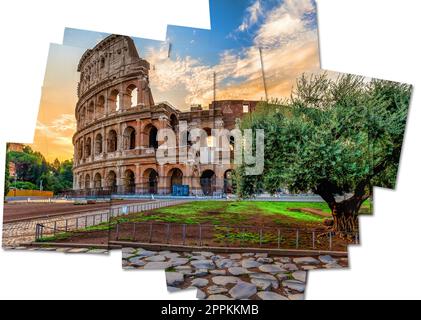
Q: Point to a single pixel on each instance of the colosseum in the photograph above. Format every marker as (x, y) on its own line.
(118, 122)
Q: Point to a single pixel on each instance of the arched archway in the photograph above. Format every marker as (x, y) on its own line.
(129, 182)
(210, 139)
(87, 182)
(174, 122)
(98, 144)
(132, 92)
(208, 182)
(88, 146)
(228, 182)
(112, 141)
(153, 137)
(175, 178)
(80, 182)
(111, 181)
(114, 100)
(97, 181)
(80, 150)
(91, 111)
(151, 177)
(100, 107)
(129, 138)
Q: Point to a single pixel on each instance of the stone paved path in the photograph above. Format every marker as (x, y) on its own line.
(254, 276)
(59, 250)
(18, 233)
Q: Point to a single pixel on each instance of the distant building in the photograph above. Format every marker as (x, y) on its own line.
(118, 121)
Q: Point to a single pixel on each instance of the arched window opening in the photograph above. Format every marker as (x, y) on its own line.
(174, 122)
(98, 144)
(210, 140)
(97, 181)
(91, 111)
(80, 150)
(153, 138)
(88, 147)
(100, 109)
(133, 92)
(114, 101)
(112, 141)
(129, 138)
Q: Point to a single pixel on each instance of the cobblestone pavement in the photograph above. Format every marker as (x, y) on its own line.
(18, 233)
(59, 250)
(254, 276)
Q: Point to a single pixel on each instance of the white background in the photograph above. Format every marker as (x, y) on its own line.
(376, 38)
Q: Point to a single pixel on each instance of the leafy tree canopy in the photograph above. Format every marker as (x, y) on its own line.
(332, 137)
(33, 170)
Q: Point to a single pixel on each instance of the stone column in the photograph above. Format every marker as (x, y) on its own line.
(120, 138)
(106, 104)
(120, 181)
(104, 141)
(92, 146)
(138, 136)
(138, 179)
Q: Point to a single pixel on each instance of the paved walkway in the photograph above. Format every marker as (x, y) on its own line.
(254, 276)
(59, 250)
(18, 233)
(23, 232)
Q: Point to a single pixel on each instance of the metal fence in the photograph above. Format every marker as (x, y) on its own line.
(201, 235)
(76, 224)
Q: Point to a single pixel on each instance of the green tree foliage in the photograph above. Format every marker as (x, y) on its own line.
(335, 138)
(23, 185)
(33, 170)
(7, 176)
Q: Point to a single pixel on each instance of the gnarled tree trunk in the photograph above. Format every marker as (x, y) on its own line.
(345, 216)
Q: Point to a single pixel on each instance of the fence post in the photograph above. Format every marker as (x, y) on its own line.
(86, 222)
(314, 239)
(184, 234)
(279, 238)
(134, 232)
(330, 240)
(150, 232)
(200, 235)
(297, 239)
(77, 223)
(261, 237)
(168, 233)
(55, 227)
(117, 229)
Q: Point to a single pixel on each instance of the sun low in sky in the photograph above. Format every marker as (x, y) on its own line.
(279, 36)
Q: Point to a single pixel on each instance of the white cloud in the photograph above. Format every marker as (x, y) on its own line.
(286, 22)
(290, 48)
(253, 13)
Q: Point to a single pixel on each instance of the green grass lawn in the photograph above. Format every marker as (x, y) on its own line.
(233, 212)
(230, 213)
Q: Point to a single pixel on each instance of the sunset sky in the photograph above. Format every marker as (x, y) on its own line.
(286, 31)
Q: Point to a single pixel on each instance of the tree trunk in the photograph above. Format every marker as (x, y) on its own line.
(345, 217)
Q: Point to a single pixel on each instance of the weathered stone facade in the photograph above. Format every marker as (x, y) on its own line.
(118, 121)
